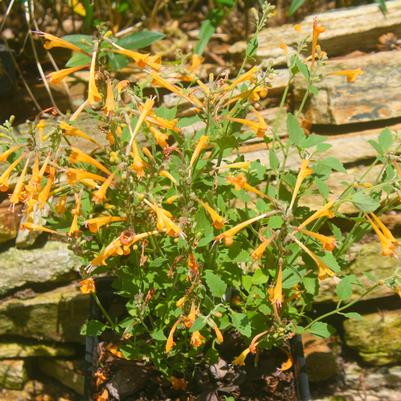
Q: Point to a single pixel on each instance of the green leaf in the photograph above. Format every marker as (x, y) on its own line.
(322, 187)
(364, 202)
(344, 287)
(241, 323)
(84, 42)
(93, 328)
(216, 285)
(382, 5)
(386, 139)
(376, 146)
(117, 61)
(78, 59)
(303, 69)
(275, 222)
(251, 47)
(158, 335)
(295, 5)
(295, 132)
(199, 324)
(320, 329)
(139, 40)
(333, 163)
(259, 277)
(273, 160)
(206, 31)
(353, 315)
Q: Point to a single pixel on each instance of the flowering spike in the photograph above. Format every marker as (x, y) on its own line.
(317, 30)
(75, 213)
(16, 195)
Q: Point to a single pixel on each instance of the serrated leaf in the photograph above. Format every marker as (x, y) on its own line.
(139, 40)
(364, 202)
(295, 132)
(241, 323)
(344, 287)
(216, 285)
(158, 335)
(320, 329)
(353, 315)
(93, 328)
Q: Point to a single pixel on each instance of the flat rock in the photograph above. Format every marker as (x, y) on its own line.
(13, 375)
(373, 96)
(52, 263)
(376, 337)
(69, 373)
(347, 29)
(54, 315)
(15, 350)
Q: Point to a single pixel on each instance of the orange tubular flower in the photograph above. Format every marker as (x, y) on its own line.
(323, 212)
(61, 205)
(57, 76)
(5, 155)
(97, 222)
(45, 193)
(324, 270)
(247, 76)
(75, 213)
(110, 105)
(77, 155)
(175, 89)
(75, 175)
(259, 127)
(100, 195)
(228, 235)
(162, 123)
(53, 41)
(217, 221)
(239, 182)
(260, 250)
(93, 92)
(219, 335)
(164, 222)
(351, 75)
(172, 199)
(201, 145)
(37, 227)
(328, 243)
(387, 241)
(160, 138)
(138, 164)
(304, 172)
(170, 340)
(317, 30)
(73, 131)
(190, 319)
(166, 174)
(87, 286)
(276, 293)
(145, 110)
(141, 60)
(16, 195)
(197, 339)
(4, 184)
(240, 359)
(122, 85)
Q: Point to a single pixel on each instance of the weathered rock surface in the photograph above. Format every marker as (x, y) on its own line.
(52, 263)
(376, 337)
(14, 350)
(320, 357)
(347, 29)
(55, 315)
(366, 259)
(12, 374)
(373, 96)
(69, 373)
